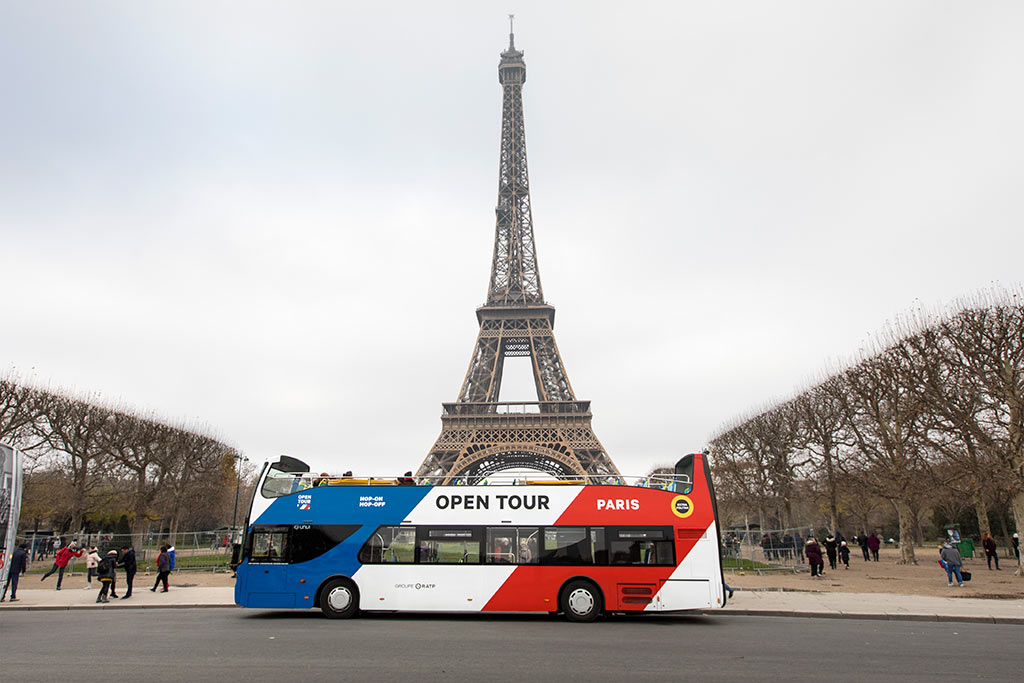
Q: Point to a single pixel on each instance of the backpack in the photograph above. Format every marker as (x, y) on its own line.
(105, 570)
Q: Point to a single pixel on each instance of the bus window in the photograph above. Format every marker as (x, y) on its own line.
(597, 545)
(448, 546)
(642, 545)
(566, 545)
(511, 545)
(309, 541)
(269, 544)
(390, 544)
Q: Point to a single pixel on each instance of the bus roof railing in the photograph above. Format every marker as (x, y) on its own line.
(500, 478)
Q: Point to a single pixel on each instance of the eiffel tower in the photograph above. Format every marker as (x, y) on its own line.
(480, 434)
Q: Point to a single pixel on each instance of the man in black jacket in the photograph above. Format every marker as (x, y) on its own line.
(19, 565)
(128, 562)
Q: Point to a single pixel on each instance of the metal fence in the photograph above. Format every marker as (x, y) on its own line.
(193, 550)
(766, 550)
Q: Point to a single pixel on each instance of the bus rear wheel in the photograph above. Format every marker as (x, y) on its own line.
(581, 601)
(339, 599)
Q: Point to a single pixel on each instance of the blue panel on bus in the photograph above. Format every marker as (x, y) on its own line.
(369, 506)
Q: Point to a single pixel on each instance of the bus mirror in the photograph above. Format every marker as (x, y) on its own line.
(289, 464)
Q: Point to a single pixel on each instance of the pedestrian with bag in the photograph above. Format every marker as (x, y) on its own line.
(19, 565)
(163, 567)
(130, 567)
(106, 572)
(60, 562)
(950, 556)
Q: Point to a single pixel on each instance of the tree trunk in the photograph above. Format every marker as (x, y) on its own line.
(833, 497)
(906, 516)
(918, 529)
(1005, 527)
(982, 512)
(1018, 512)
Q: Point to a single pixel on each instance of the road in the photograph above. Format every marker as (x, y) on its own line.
(232, 644)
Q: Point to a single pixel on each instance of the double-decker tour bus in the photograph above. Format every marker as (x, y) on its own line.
(581, 547)
(10, 505)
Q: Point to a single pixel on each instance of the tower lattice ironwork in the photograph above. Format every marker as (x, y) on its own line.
(480, 434)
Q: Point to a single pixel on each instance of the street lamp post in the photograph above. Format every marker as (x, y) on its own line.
(238, 480)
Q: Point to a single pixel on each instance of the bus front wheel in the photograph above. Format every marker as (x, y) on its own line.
(581, 601)
(339, 599)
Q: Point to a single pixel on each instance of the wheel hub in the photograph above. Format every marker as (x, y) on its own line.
(581, 601)
(339, 598)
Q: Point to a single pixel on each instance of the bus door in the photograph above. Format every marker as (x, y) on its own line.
(267, 582)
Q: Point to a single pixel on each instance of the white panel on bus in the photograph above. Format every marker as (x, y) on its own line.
(679, 595)
(449, 588)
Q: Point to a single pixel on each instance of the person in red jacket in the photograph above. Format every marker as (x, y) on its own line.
(60, 562)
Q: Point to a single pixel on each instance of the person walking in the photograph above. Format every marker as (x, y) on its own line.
(813, 552)
(952, 562)
(1015, 542)
(844, 554)
(19, 565)
(163, 567)
(862, 541)
(130, 567)
(830, 550)
(106, 572)
(92, 561)
(60, 562)
(989, 544)
(874, 543)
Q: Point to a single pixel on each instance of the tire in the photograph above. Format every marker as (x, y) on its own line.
(581, 601)
(339, 599)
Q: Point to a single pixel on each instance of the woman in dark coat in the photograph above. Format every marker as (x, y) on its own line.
(813, 552)
(830, 550)
(989, 544)
(163, 568)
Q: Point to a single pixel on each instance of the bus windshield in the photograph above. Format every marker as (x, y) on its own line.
(283, 477)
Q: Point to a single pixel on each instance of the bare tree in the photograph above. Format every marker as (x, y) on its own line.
(19, 414)
(822, 431)
(989, 341)
(74, 431)
(885, 417)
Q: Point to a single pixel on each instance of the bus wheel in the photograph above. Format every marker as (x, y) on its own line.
(339, 599)
(581, 601)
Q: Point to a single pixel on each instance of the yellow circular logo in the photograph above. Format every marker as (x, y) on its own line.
(682, 506)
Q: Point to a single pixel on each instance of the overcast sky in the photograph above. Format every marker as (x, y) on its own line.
(277, 219)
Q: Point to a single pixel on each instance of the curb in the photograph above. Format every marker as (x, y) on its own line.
(878, 616)
(73, 608)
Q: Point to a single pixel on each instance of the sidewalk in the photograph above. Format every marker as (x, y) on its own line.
(77, 598)
(759, 603)
(873, 606)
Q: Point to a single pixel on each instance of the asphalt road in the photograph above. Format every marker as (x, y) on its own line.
(233, 644)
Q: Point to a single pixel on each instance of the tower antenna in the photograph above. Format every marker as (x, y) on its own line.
(511, 32)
